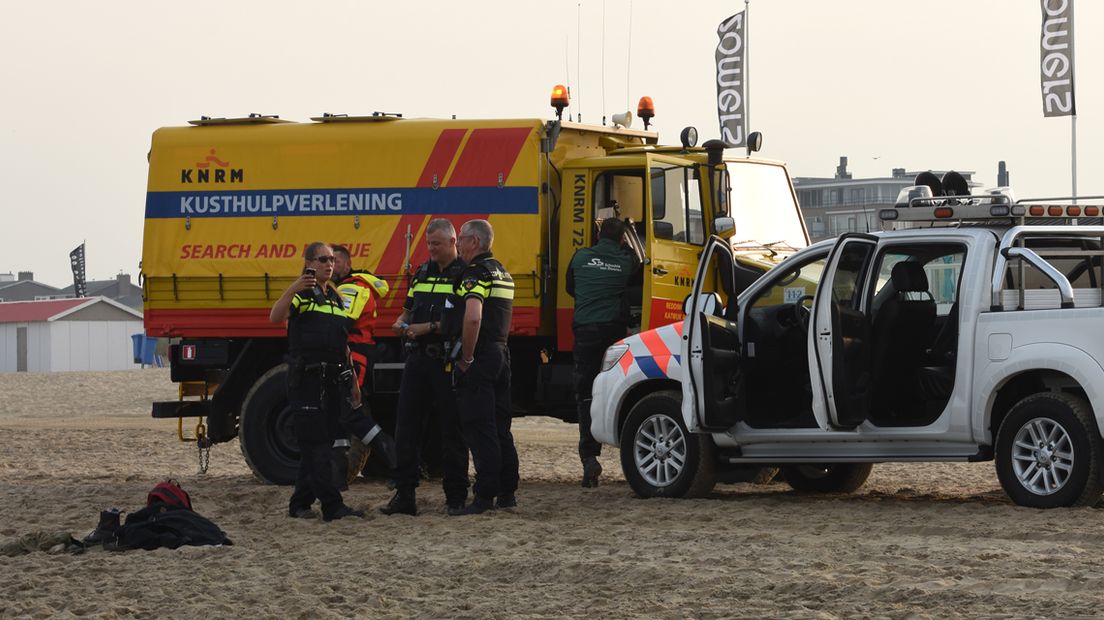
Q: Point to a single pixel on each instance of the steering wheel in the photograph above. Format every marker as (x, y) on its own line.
(802, 313)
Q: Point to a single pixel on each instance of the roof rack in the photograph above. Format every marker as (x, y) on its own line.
(252, 119)
(991, 207)
(345, 118)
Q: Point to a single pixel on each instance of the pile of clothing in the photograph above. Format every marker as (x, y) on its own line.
(166, 521)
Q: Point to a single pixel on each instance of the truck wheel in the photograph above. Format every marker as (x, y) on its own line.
(266, 431)
(659, 456)
(1048, 452)
(827, 477)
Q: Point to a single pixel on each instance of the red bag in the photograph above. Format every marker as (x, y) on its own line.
(170, 494)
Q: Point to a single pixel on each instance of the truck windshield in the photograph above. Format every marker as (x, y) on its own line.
(763, 205)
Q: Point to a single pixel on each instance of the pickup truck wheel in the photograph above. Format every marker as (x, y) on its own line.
(266, 431)
(659, 457)
(1048, 452)
(827, 477)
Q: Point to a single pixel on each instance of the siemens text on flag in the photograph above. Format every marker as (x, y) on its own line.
(730, 79)
(1056, 53)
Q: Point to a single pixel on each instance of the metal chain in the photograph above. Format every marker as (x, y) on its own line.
(203, 444)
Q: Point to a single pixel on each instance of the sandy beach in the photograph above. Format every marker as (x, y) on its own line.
(917, 541)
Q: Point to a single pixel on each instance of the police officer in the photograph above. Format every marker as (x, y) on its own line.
(597, 277)
(319, 378)
(482, 370)
(426, 385)
(360, 291)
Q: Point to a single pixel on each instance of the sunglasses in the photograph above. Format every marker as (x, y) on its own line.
(323, 259)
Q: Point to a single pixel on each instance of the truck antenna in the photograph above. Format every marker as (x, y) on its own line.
(579, 54)
(603, 62)
(628, 69)
(567, 71)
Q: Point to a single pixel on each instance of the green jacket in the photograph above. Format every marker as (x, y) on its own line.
(596, 278)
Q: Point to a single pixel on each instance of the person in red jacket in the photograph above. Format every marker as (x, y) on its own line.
(361, 291)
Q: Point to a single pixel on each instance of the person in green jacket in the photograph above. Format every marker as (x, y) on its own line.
(597, 278)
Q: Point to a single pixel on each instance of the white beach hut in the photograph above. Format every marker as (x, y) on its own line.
(91, 333)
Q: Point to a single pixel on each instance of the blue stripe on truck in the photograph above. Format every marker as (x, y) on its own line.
(368, 201)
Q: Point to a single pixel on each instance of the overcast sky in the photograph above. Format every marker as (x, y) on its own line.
(943, 84)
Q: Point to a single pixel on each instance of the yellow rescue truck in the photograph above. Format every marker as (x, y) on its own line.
(231, 204)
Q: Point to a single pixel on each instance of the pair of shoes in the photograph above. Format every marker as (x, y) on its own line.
(301, 513)
(478, 506)
(507, 501)
(592, 470)
(342, 512)
(106, 530)
(401, 504)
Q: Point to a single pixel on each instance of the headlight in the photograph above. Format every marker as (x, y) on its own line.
(614, 355)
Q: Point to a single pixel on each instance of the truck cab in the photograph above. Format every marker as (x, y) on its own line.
(673, 199)
(943, 343)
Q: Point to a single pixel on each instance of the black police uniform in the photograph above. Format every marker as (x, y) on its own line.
(426, 387)
(483, 391)
(317, 330)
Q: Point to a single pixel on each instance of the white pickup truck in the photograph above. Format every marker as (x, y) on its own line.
(977, 334)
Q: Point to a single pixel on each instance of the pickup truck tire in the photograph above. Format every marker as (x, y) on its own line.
(827, 477)
(1048, 452)
(659, 457)
(266, 432)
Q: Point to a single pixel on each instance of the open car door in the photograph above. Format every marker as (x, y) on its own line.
(713, 389)
(842, 331)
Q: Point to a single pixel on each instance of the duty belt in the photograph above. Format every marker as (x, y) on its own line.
(432, 350)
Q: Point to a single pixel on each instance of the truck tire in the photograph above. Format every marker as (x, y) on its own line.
(659, 457)
(266, 432)
(1048, 452)
(827, 477)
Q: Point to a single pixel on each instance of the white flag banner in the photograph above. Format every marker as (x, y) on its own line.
(730, 79)
(1056, 53)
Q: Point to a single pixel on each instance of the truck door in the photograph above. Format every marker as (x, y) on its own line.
(841, 327)
(713, 390)
(675, 237)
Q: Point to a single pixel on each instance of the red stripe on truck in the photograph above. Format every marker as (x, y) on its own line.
(441, 157)
(487, 153)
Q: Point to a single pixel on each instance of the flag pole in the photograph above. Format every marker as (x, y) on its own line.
(747, 65)
(1073, 155)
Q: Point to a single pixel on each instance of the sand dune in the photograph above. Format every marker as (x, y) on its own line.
(918, 541)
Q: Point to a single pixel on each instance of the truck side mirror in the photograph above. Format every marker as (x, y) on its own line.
(724, 227)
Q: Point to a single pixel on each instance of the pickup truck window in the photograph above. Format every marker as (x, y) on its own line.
(942, 266)
(1079, 259)
(788, 287)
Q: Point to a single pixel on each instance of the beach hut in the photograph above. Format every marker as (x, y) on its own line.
(90, 333)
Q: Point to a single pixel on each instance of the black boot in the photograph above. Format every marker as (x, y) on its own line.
(592, 469)
(402, 503)
(107, 529)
